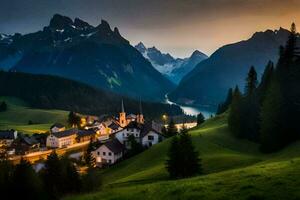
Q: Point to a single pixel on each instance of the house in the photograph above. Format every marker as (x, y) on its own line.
(7, 137)
(108, 153)
(25, 145)
(57, 127)
(143, 134)
(85, 135)
(62, 139)
(150, 136)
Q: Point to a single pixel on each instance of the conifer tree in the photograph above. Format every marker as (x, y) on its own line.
(171, 129)
(183, 159)
(53, 176)
(234, 117)
(200, 119)
(251, 82)
(173, 164)
(225, 105)
(88, 155)
(25, 182)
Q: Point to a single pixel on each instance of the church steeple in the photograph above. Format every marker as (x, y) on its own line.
(122, 116)
(123, 110)
(140, 116)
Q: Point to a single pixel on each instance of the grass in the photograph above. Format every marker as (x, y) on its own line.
(19, 114)
(233, 169)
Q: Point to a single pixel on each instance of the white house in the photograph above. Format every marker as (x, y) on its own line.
(62, 139)
(143, 133)
(109, 152)
(57, 127)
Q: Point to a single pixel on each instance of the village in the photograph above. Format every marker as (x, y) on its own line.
(111, 134)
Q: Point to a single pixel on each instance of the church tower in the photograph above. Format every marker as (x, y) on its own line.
(122, 116)
(140, 116)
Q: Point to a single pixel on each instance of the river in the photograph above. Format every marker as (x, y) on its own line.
(190, 110)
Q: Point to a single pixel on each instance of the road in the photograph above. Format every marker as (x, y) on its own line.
(42, 155)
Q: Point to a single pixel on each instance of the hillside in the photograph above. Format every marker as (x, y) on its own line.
(19, 114)
(210, 80)
(50, 92)
(97, 56)
(233, 169)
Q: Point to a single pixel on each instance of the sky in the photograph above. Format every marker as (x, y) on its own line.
(175, 26)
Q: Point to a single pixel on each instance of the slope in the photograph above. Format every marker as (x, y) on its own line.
(19, 114)
(232, 169)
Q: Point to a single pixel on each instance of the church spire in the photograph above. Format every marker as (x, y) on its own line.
(123, 110)
(140, 107)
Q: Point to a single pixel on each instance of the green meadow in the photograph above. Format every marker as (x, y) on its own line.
(233, 169)
(19, 114)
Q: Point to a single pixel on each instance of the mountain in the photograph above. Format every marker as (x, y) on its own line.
(210, 80)
(173, 68)
(98, 56)
(51, 92)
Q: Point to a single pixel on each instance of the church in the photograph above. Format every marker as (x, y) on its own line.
(125, 120)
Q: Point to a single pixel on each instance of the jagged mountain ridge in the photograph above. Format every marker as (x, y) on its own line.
(172, 68)
(98, 56)
(210, 80)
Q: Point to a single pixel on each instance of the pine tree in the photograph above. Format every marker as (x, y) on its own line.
(225, 105)
(73, 119)
(251, 82)
(25, 182)
(89, 159)
(271, 137)
(171, 129)
(190, 157)
(53, 176)
(6, 174)
(135, 147)
(173, 164)
(265, 81)
(72, 181)
(183, 159)
(200, 119)
(234, 117)
(3, 106)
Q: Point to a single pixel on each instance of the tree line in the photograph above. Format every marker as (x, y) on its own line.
(268, 112)
(58, 178)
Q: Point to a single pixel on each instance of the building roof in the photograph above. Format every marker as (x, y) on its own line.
(114, 145)
(146, 129)
(131, 116)
(29, 140)
(66, 133)
(58, 125)
(134, 124)
(114, 126)
(7, 135)
(83, 133)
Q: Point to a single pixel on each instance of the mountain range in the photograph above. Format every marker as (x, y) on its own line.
(97, 56)
(209, 81)
(173, 68)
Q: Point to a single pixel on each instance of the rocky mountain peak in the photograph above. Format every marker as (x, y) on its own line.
(81, 24)
(60, 22)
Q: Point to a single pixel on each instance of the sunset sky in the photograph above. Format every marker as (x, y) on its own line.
(175, 26)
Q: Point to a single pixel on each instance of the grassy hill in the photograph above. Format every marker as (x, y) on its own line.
(19, 114)
(233, 169)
